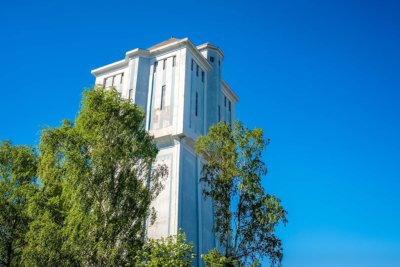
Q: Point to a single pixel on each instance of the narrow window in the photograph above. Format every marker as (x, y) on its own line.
(162, 97)
(104, 82)
(219, 62)
(196, 104)
(173, 61)
(219, 113)
(122, 77)
(130, 94)
(224, 101)
(155, 66)
(192, 65)
(163, 66)
(112, 83)
(229, 106)
(197, 70)
(212, 59)
(202, 76)
(108, 82)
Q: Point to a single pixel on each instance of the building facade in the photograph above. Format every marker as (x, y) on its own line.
(181, 90)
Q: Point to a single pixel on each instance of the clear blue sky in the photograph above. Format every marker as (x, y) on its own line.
(321, 77)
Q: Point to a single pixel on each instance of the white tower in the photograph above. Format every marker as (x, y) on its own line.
(180, 88)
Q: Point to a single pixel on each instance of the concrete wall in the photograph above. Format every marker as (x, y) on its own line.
(166, 118)
(195, 212)
(166, 204)
(213, 87)
(195, 98)
(176, 116)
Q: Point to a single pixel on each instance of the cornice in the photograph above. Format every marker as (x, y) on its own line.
(210, 46)
(230, 91)
(115, 65)
(197, 53)
(185, 42)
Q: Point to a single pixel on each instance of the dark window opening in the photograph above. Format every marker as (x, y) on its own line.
(202, 76)
(174, 61)
(211, 59)
(197, 70)
(163, 66)
(229, 106)
(122, 77)
(225, 101)
(155, 66)
(192, 65)
(219, 113)
(162, 97)
(196, 104)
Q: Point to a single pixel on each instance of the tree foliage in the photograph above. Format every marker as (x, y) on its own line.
(214, 259)
(83, 198)
(171, 251)
(18, 166)
(97, 185)
(245, 216)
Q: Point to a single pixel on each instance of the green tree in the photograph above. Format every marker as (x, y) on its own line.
(245, 216)
(214, 259)
(98, 180)
(171, 251)
(18, 166)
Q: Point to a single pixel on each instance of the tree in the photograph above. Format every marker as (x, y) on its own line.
(245, 216)
(214, 259)
(18, 166)
(98, 180)
(171, 251)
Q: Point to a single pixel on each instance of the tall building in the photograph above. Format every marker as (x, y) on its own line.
(181, 90)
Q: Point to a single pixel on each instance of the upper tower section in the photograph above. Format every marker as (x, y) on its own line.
(178, 85)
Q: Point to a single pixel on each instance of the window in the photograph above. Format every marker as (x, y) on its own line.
(229, 106)
(162, 97)
(196, 104)
(155, 66)
(173, 61)
(211, 59)
(224, 101)
(197, 70)
(107, 82)
(219, 62)
(130, 94)
(219, 113)
(113, 80)
(202, 76)
(192, 65)
(163, 66)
